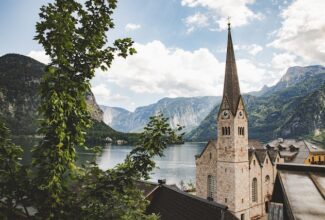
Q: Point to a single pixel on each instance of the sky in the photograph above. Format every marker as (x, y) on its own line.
(181, 45)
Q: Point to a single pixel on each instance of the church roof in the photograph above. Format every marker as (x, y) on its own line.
(231, 90)
(261, 154)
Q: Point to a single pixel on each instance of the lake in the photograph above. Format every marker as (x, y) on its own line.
(177, 164)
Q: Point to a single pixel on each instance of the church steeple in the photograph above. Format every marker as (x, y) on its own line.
(231, 90)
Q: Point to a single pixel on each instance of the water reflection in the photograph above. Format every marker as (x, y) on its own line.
(178, 162)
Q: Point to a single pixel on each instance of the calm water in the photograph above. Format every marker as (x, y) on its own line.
(178, 162)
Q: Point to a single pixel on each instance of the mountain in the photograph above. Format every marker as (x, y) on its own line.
(188, 112)
(290, 109)
(19, 81)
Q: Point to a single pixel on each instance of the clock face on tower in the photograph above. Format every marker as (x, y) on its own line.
(225, 114)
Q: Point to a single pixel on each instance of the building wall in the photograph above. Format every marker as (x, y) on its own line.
(255, 172)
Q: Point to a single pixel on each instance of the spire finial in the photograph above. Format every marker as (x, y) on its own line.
(228, 22)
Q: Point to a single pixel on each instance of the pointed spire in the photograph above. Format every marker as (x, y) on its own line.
(231, 89)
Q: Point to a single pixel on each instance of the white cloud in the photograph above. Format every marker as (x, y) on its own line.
(39, 56)
(175, 72)
(303, 30)
(132, 27)
(283, 61)
(197, 20)
(252, 49)
(238, 10)
(105, 97)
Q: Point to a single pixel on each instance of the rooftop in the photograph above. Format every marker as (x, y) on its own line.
(303, 188)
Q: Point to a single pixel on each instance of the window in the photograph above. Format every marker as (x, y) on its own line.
(223, 131)
(254, 190)
(267, 179)
(225, 200)
(242, 217)
(267, 161)
(228, 130)
(210, 155)
(210, 186)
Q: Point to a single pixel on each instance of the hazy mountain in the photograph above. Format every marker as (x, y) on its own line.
(188, 112)
(292, 108)
(19, 81)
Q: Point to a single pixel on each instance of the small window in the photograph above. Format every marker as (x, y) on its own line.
(242, 200)
(225, 200)
(267, 179)
(242, 217)
(210, 155)
(210, 186)
(254, 190)
(267, 161)
(225, 170)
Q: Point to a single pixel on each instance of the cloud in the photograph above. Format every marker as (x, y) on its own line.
(132, 27)
(39, 56)
(252, 49)
(105, 97)
(174, 72)
(238, 10)
(303, 30)
(283, 61)
(197, 20)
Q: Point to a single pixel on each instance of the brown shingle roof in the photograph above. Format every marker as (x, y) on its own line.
(170, 204)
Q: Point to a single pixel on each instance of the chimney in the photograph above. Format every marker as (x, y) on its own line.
(162, 181)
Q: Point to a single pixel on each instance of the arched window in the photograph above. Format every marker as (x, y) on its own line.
(228, 130)
(243, 131)
(210, 186)
(223, 131)
(267, 179)
(254, 190)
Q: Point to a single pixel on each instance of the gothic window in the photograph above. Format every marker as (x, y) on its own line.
(254, 190)
(210, 186)
(210, 155)
(267, 179)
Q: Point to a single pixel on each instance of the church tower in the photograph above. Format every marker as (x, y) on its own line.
(232, 177)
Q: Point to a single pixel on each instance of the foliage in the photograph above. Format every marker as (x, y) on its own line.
(74, 36)
(14, 183)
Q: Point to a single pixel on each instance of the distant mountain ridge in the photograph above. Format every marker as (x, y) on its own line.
(188, 112)
(292, 108)
(19, 81)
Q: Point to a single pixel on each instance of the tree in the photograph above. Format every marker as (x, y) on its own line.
(74, 36)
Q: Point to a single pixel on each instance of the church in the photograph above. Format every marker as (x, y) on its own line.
(233, 170)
